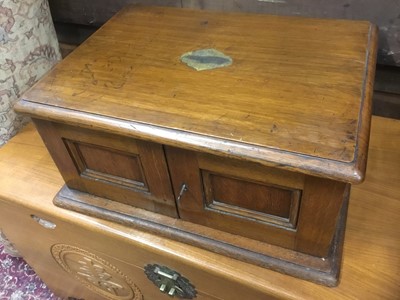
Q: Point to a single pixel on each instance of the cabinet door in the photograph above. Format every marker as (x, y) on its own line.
(237, 197)
(266, 204)
(119, 168)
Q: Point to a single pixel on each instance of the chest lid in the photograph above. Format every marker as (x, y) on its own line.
(289, 91)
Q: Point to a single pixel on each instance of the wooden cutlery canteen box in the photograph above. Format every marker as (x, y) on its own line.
(235, 133)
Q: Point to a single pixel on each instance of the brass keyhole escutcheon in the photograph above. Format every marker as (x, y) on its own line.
(170, 282)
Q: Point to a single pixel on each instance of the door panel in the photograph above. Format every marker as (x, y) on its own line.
(270, 205)
(119, 168)
(240, 198)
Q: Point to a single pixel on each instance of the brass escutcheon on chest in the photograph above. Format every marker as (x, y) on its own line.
(170, 282)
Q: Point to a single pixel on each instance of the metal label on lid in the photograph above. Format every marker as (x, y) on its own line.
(206, 59)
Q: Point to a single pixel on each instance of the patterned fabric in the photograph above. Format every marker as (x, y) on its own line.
(8, 246)
(28, 49)
(19, 282)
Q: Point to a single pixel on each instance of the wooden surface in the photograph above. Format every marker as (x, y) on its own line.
(101, 168)
(276, 101)
(371, 262)
(385, 15)
(312, 233)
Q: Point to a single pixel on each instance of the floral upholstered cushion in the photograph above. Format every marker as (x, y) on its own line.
(28, 49)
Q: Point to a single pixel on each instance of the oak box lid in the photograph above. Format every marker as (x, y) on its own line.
(297, 94)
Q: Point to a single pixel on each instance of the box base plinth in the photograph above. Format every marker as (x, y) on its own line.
(324, 271)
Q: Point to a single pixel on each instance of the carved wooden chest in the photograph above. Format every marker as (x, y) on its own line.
(235, 133)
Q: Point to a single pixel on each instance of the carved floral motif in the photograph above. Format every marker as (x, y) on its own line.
(96, 273)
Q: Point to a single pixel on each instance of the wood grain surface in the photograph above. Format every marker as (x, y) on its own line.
(110, 180)
(280, 102)
(311, 233)
(97, 12)
(371, 262)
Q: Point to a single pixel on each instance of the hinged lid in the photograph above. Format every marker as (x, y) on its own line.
(296, 93)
